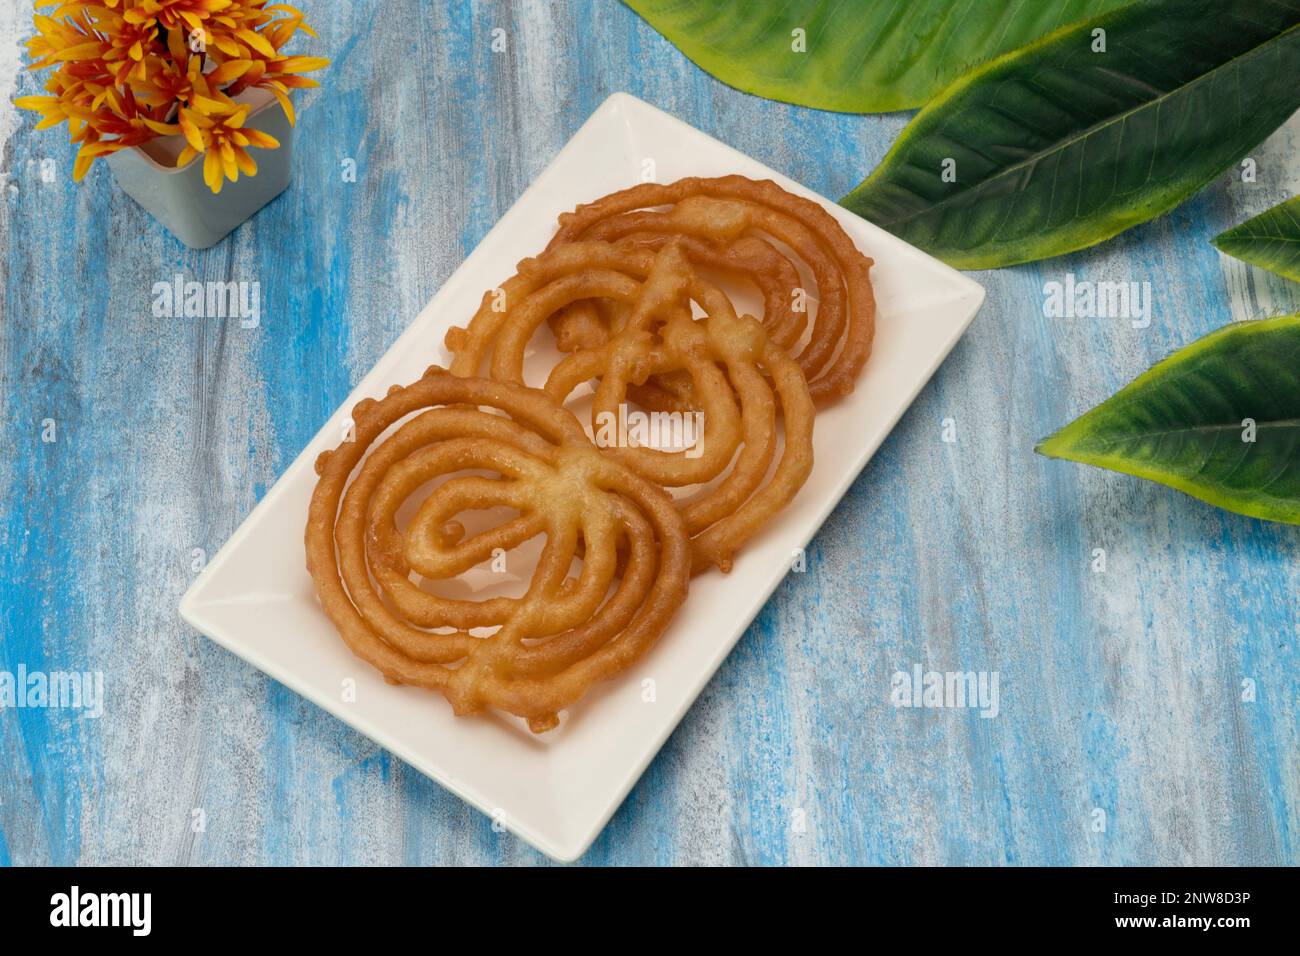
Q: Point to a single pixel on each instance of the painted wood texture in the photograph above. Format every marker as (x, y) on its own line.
(1120, 691)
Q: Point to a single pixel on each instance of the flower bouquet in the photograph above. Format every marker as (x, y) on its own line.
(168, 87)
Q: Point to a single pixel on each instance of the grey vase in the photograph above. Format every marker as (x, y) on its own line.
(182, 201)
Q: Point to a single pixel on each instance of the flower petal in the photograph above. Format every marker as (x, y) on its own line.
(246, 164)
(228, 71)
(301, 64)
(256, 41)
(212, 171)
(259, 139)
(191, 131)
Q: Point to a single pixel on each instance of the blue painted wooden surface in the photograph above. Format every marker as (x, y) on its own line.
(1120, 691)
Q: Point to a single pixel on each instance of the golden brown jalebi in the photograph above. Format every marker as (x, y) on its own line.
(737, 375)
(565, 633)
(722, 223)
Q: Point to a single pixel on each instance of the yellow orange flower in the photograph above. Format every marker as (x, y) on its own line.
(127, 71)
(217, 131)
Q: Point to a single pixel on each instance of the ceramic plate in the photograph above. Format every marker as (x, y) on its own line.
(559, 789)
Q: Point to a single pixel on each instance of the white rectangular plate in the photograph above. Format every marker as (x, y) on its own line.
(559, 789)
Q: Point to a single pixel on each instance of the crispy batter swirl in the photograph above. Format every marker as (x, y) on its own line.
(565, 633)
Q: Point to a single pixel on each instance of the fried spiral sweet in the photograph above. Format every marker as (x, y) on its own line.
(739, 377)
(565, 633)
(728, 223)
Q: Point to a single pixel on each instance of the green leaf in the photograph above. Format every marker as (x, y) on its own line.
(860, 56)
(1185, 422)
(1056, 147)
(1271, 240)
